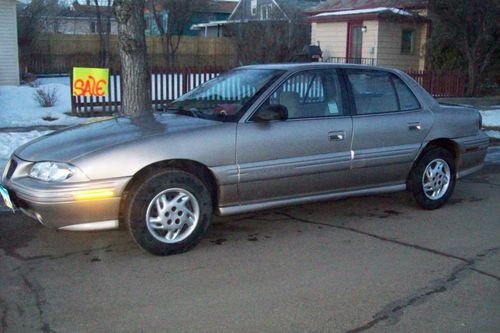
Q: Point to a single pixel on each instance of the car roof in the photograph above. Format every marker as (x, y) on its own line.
(312, 65)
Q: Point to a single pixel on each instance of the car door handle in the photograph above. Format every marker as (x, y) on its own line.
(336, 136)
(414, 126)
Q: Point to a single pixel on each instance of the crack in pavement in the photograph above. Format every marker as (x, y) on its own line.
(393, 311)
(391, 240)
(39, 302)
(379, 237)
(15, 255)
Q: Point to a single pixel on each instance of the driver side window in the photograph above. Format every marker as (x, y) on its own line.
(309, 94)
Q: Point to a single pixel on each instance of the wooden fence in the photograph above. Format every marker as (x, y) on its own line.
(441, 83)
(168, 84)
(58, 53)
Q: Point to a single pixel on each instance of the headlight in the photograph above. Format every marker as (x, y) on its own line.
(52, 171)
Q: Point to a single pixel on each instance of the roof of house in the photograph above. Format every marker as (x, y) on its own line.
(226, 7)
(90, 10)
(378, 10)
(366, 14)
(337, 5)
(289, 8)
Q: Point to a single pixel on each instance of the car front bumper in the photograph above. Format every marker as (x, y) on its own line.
(92, 205)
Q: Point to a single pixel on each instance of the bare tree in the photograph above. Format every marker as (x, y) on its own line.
(273, 40)
(179, 14)
(103, 26)
(471, 28)
(33, 19)
(135, 76)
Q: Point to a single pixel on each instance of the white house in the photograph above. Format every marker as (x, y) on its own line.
(9, 53)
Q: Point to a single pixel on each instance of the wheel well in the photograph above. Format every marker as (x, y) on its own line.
(193, 167)
(447, 144)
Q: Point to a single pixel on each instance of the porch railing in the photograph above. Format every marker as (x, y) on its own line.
(346, 60)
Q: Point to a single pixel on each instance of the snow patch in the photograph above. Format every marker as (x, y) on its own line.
(18, 107)
(58, 80)
(491, 118)
(10, 141)
(493, 134)
(367, 11)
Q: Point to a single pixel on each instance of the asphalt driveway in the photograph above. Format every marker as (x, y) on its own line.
(376, 264)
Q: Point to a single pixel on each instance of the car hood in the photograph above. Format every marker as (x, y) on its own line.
(74, 142)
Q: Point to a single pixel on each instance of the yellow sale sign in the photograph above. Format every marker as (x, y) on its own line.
(90, 81)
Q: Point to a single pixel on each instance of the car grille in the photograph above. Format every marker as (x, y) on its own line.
(12, 168)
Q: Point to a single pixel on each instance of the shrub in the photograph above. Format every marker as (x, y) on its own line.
(46, 97)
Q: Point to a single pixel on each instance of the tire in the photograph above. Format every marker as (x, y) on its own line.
(434, 168)
(189, 215)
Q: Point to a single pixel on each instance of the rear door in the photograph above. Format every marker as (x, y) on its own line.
(307, 154)
(389, 127)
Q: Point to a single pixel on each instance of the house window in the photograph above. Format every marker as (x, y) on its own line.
(408, 41)
(253, 7)
(96, 27)
(265, 12)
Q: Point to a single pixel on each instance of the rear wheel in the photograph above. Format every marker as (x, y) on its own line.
(169, 212)
(432, 179)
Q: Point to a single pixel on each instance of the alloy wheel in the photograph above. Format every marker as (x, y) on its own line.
(172, 215)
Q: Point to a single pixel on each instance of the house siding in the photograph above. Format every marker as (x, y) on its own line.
(389, 46)
(381, 41)
(332, 38)
(9, 62)
(75, 25)
(370, 45)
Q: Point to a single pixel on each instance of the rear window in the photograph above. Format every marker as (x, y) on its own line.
(380, 92)
(407, 101)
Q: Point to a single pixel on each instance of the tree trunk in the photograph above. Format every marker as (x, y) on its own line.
(135, 76)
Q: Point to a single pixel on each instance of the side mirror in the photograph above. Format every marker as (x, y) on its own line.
(271, 112)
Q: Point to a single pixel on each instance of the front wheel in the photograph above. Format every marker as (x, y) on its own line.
(169, 212)
(433, 178)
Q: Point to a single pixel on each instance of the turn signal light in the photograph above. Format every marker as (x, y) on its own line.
(94, 194)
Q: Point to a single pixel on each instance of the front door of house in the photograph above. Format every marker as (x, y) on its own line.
(354, 42)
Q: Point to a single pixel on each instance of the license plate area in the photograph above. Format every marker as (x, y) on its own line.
(6, 198)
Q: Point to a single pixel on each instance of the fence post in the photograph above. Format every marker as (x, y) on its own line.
(73, 106)
(184, 81)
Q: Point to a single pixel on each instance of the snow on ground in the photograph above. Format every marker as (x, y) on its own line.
(493, 134)
(491, 118)
(18, 107)
(10, 141)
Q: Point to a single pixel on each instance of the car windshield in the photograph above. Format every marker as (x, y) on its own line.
(225, 97)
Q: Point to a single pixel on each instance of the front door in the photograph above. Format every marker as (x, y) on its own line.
(389, 128)
(354, 42)
(309, 153)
